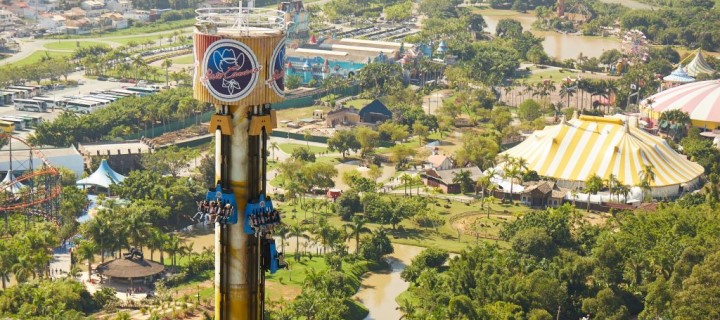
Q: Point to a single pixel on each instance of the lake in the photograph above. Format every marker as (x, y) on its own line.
(557, 45)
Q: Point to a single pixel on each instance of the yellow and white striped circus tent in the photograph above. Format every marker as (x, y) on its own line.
(698, 65)
(574, 150)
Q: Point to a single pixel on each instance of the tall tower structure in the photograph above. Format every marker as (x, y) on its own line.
(561, 8)
(239, 68)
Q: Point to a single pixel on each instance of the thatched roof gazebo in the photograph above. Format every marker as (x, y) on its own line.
(130, 269)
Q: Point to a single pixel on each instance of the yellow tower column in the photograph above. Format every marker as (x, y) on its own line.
(239, 62)
(239, 291)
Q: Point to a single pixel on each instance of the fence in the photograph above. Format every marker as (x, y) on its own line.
(173, 126)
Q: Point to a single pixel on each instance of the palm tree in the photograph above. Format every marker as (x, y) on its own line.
(7, 260)
(173, 247)
(167, 64)
(567, 90)
(274, 146)
(156, 241)
(356, 228)
(298, 232)
(86, 251)
(405, 178)
(511, 172)
(137, 228)
(462, 178)
(282, 231)
(592, 186)
(483, 184)
(647, 177)
(138, 64)
(23, 269)
(612, 184)
(74, 272)
(307, 134)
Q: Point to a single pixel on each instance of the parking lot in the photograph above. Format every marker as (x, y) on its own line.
(85, 88)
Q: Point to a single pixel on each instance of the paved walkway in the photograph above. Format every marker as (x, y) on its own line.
(60, 265)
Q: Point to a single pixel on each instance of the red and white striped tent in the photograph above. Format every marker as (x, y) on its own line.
(701, 100)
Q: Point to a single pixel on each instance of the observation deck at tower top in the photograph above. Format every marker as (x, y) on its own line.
(242, 21)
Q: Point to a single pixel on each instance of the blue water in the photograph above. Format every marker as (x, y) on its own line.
(86, 213)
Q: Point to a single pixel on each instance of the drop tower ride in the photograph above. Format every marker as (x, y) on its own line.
(239, 68)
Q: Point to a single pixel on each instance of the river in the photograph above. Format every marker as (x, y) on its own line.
(379, 290)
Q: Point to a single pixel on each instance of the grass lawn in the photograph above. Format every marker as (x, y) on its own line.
(290, 147)
(138, 39)
(408, 232)
(38, 55)
(413, 142)
(73, 45)
(135, 30)
(185, 59)
(294, 114)
(538, 75)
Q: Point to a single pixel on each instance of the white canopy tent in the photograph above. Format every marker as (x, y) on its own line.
(103, 177)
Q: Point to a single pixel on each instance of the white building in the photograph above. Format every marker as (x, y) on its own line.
(138, 15)
(57, 157)
(122, 6)
(118, 21)
(440, 162)
(93, 8)
(53, 23)
(7, 20)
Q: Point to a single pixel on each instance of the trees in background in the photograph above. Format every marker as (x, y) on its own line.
(133, 114)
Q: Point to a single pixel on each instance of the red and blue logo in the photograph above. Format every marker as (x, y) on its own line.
(230, 70)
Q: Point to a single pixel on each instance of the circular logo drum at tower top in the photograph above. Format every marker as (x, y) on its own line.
(229, 70)
(239, 70)
(276, 72)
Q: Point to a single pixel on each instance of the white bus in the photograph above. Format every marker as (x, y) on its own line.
(82, 106)
(104, 102)
(125, 93)
(51, 101)
(107, 97)
(6, 98)
(142, 90)
(30, 105)
(18, 94)
(29, 122)
(112, 95)
(32, 91)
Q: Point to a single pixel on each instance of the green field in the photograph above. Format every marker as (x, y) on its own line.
(186, 59)
(135, 30)
(72, 45)
(139, 39)
(38, 55)
(556, 75)
(290, 147)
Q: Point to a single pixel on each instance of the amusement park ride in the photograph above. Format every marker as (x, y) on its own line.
(239, 68)
(35, 193)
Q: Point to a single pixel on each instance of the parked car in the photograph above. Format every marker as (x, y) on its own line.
(102, 78)
(113, 80)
